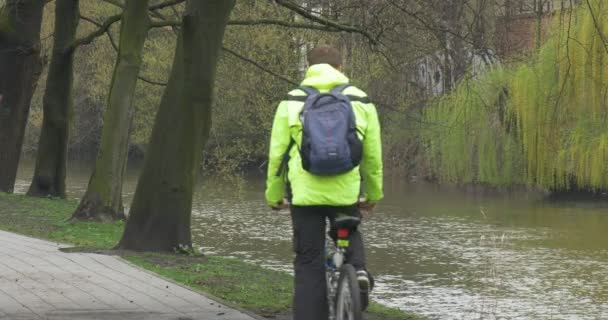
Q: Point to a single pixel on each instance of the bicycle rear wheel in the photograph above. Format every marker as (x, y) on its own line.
(348, 299)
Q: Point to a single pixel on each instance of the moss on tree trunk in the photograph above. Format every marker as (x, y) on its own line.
(20, 66)
(103, 198)
(51, 161)
(159, 219)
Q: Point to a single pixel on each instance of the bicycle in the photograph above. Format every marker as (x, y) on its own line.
(346, 301)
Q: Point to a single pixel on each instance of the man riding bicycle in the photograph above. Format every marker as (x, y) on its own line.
(325, 142)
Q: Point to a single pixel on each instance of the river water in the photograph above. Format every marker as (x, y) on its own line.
(438, 252)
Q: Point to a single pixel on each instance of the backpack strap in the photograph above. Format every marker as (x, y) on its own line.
(285, 160)
(310, 91)
(340, 88)
(364, 100)
(296, 98)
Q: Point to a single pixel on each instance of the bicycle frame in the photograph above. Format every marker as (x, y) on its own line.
(332, 271)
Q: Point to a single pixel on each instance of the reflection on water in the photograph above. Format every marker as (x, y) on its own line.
(436, 252)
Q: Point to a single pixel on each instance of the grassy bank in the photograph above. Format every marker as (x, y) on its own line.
(262, 291)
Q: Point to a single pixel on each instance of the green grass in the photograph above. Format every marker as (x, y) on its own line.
(262, 291)
(249, 286)
(47, 219)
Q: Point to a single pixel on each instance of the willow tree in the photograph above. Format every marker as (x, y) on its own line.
(159, 219)
(473, 141)
(103, 198)
(51, 161)
(561, 103)
(20, 67)
(543, 124)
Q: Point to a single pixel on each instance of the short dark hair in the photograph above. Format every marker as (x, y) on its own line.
(325, 54)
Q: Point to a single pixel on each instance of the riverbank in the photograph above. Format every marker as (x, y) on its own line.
(259, 290)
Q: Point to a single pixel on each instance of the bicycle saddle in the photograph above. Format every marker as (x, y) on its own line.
(347, 222)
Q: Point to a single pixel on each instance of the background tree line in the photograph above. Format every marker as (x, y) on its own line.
(408, 31)
(116, 79)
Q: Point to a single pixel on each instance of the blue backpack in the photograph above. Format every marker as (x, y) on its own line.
(330, 144)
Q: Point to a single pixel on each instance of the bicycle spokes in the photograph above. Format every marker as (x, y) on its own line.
(348, 302)
(345, 308)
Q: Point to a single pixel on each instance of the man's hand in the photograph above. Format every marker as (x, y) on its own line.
(283, 205)
(366, 208)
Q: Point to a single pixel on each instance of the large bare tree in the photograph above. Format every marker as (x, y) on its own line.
(103, 198)
(51, 161)
(20, 67)
(159, 219)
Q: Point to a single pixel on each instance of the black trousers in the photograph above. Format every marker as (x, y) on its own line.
(309, 223)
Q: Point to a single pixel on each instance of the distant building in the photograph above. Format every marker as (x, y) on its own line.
(517, 24)
(516, 32)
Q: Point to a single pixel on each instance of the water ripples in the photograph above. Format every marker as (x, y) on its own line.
(437, 253)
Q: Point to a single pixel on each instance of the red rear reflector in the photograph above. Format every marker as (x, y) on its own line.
(342, 233)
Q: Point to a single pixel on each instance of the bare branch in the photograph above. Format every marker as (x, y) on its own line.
(437, 31)
(115, 46)
(115, 3)
(325, 25)
(261, 22)
(598, 27)
(259, 66)
(165, 23)
(324, 21)
(175, 24)
(105, 26)
(152, 82)
(287, 24)
(165, 4)
(159, 6)
(90, 20)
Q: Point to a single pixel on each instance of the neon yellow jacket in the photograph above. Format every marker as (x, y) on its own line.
(308, 189)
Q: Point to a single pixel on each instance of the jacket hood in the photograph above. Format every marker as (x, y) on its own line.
(323, 77)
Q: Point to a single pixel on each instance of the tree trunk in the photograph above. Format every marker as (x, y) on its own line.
(103, 198)
(51, 162)
(454, 59)
(539, 11)
(20, 67)
(159, 219)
